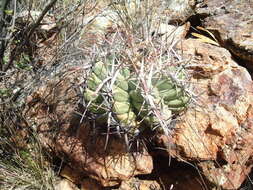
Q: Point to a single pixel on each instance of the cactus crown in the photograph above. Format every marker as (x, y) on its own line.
(121, 95)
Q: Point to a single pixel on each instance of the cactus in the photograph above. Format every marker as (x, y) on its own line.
(125, 98)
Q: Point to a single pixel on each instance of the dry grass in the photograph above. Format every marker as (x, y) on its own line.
(23, 162)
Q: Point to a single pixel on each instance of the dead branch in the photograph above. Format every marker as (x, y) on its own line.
(38, 21)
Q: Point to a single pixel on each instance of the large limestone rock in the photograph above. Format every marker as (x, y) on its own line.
(232, 23)
(217, 131)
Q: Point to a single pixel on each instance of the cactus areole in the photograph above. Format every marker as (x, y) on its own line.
(115, 96)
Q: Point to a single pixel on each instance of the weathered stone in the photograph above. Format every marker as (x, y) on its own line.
(231, 21)
(135, 17)
(235, 158)
(217, 130)
(70, 174)
(88, 184)
(65, 185)
(179, 10)
(135, 183)
(206, 60)
(172, 34)
(109, 166)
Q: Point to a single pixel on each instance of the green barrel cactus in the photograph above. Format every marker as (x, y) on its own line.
(118, 91)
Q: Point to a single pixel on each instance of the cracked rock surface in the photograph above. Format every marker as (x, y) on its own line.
(218, 133)
(232, 22)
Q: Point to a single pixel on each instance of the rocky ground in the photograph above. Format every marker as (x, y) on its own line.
(211, 146)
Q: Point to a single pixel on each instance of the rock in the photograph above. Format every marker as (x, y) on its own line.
(231, 21)
(217, 130)
(109, 167)
(135, 183)
(171, 34)
(102, 23)
(229, 176)
(235, 160)
(54, 109)
(176, 175)
(65, 185)
(179, 10)
(70, 174)
(135, 17)
(88, 184)
(207, 60)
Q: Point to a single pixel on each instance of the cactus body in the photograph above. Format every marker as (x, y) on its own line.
(120, 95)
(125, 98)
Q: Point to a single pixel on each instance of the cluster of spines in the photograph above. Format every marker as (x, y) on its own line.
(126, 99)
